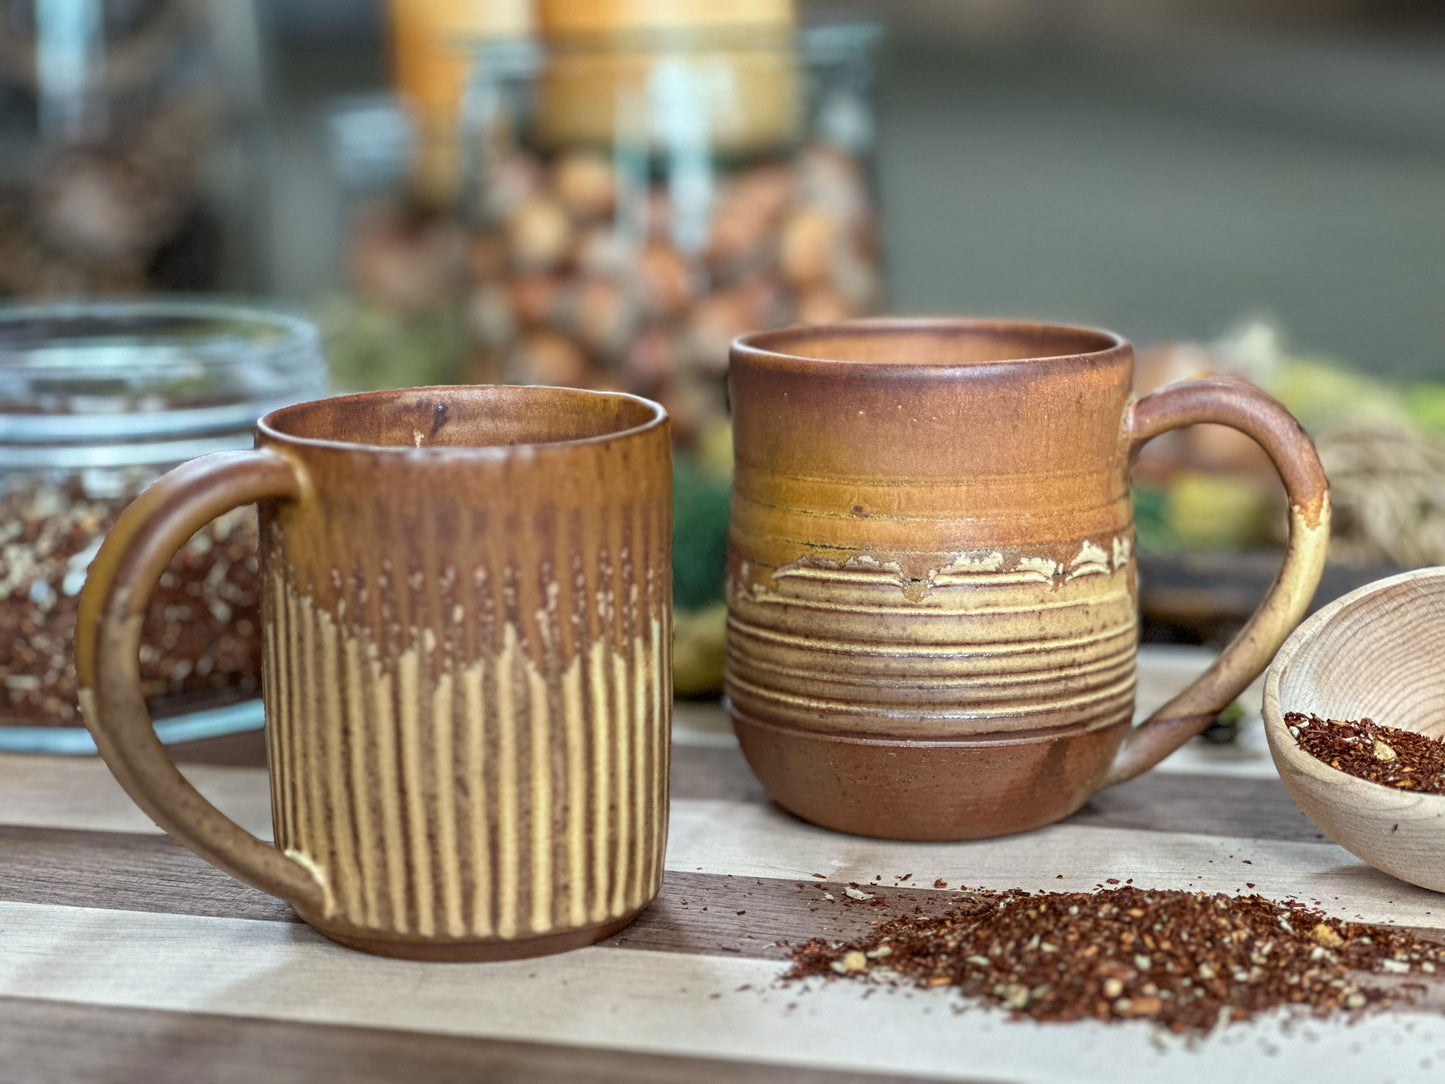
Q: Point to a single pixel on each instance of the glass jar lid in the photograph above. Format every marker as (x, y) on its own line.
(156, 382)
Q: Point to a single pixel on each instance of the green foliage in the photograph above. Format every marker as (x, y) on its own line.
(1198, 511)
(1216, 511)
(700, 506)
(1426, 406)
(1151, 531)
(1225, 728)
(369, 347)
(1324, 396)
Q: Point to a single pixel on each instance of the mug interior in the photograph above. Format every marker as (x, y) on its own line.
(479, 416)
(929, 343)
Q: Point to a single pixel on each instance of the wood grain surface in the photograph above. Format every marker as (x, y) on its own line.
(123, 957)
(180, 1048)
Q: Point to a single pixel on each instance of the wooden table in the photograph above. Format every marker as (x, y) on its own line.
(125, 958)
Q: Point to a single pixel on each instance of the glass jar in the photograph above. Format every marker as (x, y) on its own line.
(393, 317)
(96, 400)
(638, 201)
(135, 148)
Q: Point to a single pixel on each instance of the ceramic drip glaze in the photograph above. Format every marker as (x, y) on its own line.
(485, 799)
(980, 647)
(931, 584)
(467, 666)
(468, 685)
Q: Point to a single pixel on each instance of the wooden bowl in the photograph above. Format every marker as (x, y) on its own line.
(1375, 652)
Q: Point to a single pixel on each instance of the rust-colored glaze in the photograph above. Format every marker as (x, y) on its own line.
(931, 587)
(467, 664)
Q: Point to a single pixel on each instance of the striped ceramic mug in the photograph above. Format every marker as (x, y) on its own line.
(467, 664)
(931, 583)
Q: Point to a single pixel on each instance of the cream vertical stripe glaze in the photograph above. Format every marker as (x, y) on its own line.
(361, 771)
(467, 666)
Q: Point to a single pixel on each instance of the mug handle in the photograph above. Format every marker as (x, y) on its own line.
(113, 606)
(1242, 406)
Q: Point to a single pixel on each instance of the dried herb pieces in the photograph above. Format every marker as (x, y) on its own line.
(1367, 750)
(202, 638)
(1187, 961)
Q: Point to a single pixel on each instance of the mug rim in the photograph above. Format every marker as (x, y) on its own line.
(770, 347)
(269, 426)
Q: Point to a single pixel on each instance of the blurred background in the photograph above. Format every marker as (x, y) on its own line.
(1163, 167)
(603, 193)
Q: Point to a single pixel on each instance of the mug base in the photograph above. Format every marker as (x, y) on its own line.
(481, 950)
(933, 791)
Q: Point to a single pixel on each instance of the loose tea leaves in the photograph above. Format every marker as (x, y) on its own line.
(1187, 961)
(202, 636)
(1370, 751)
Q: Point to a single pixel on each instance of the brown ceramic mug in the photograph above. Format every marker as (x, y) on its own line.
(932, 623)
(467, 665)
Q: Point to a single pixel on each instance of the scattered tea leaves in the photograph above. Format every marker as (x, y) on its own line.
(1189, 962)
